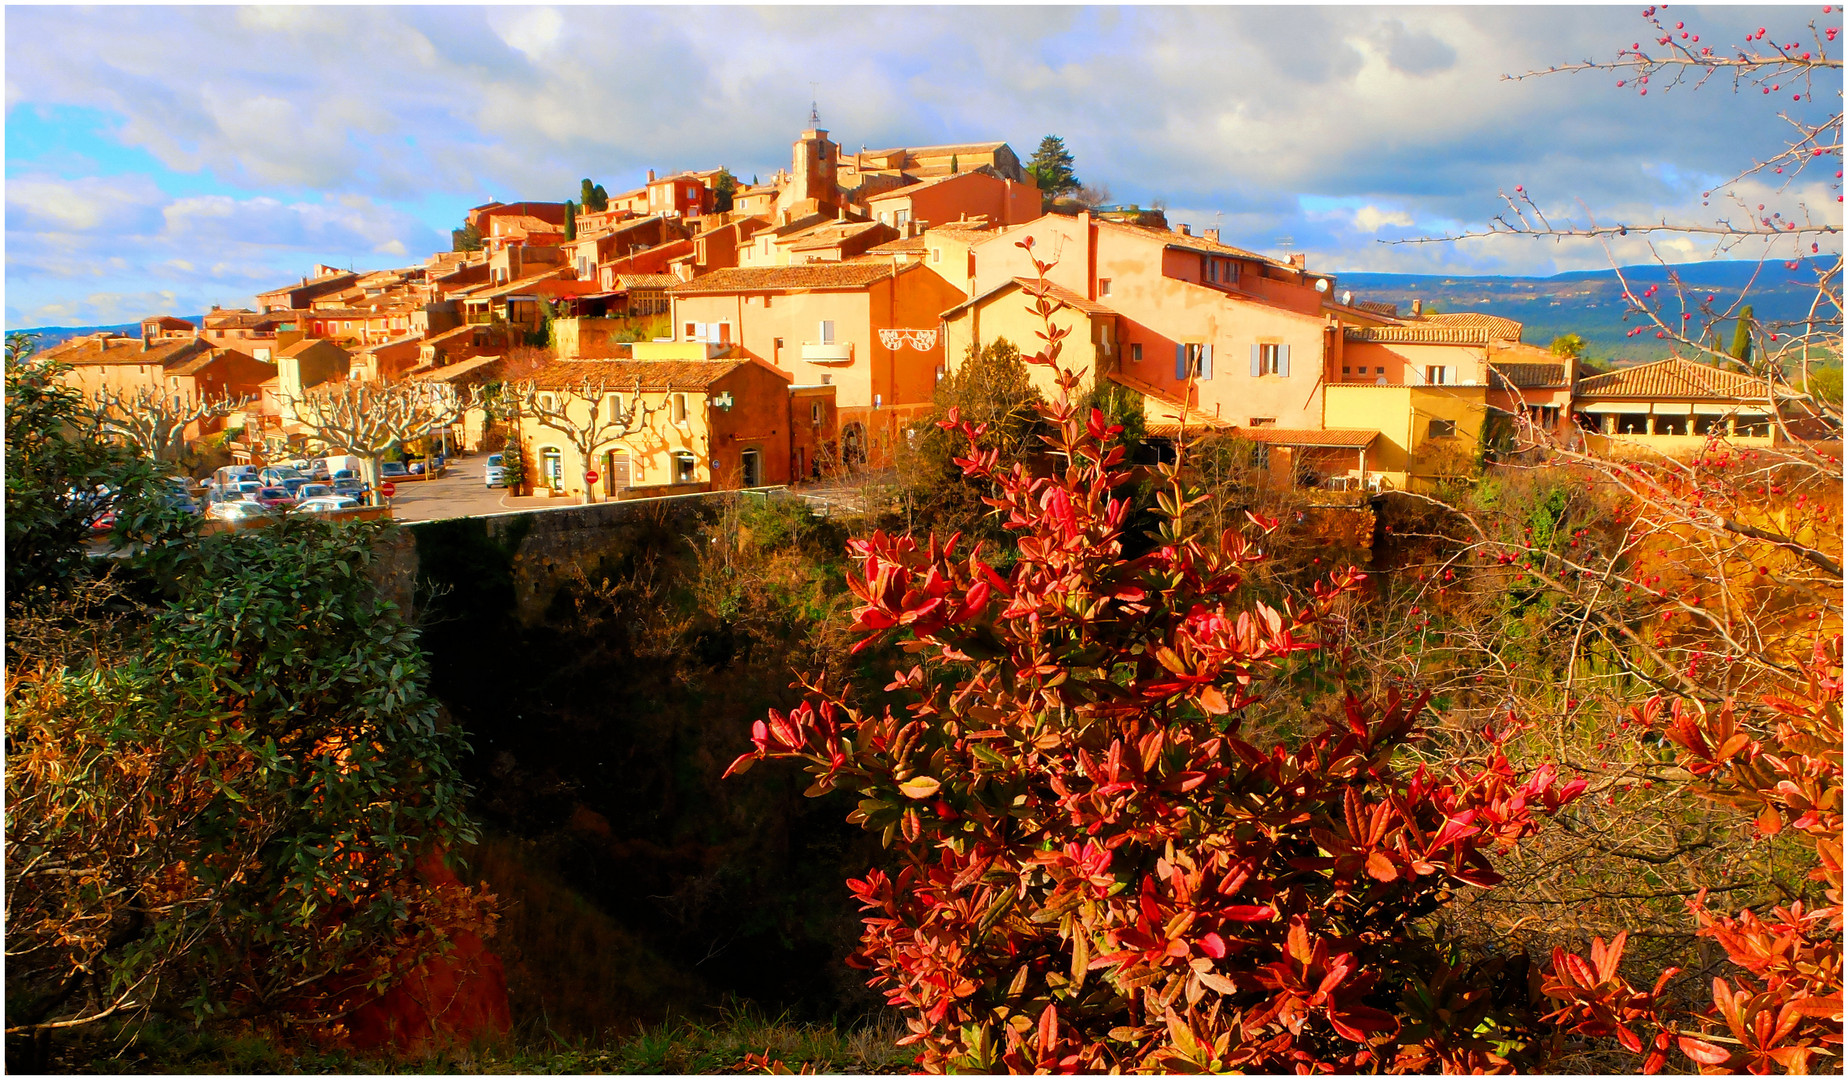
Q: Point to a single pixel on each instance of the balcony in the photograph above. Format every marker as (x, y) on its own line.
(816, 352)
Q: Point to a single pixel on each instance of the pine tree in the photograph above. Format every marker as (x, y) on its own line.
(1051, 168)
(954, 167)
(723, 191)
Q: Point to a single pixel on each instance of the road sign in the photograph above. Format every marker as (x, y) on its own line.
(388, 489)
(591, 476)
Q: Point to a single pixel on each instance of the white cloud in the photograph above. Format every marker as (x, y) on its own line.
(1372, 219)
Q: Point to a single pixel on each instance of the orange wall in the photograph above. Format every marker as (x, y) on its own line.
(1406, 363)
(758, 420)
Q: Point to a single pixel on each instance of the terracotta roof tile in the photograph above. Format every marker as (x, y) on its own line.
(1674, 378)
(1170, 415)
(1528, 376)
(1419, 335)
(1498, 327)
(1276, 436)
(1191, 243)
(98, 349)
(206, 359)
(646, 281)
(620, 375)
(775, 278)
(828, 236)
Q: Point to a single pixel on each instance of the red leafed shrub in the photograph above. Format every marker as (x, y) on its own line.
(1783, 1009)
(1096, 868)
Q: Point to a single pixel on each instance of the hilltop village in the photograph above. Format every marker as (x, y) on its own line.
(770, 333)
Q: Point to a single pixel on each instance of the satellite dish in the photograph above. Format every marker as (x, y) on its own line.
(1321, 285)
(1347, 297)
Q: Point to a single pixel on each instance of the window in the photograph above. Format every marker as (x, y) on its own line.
(692, 333)
(1437, 374)
(1442, 429)
(1752, 425)
(1193, 361)
(1135, 353)
(1671, 425)
(1211, 267)
(1263, 421)
(612, 406)
(684, 466)
(779, 343)
(827, 332)
(1103, 286)
(815, 413)
(936, 254)
(552, 467)
(1270, 360)
(1345, 370)
(548, 401)
(827, 379)
(752, 463)
(1709, 425)
(1376, 371)
(680, 408)
(901, 217)
(767, 299)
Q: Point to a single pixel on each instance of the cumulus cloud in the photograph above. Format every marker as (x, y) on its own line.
(1401, 117)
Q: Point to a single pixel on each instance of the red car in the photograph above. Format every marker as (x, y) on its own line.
(274, 498)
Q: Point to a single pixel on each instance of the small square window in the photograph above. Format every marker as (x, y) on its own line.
(1103, 286)
(1442, 429)
(1135, 353)
(1376, 371)
(1263, 421)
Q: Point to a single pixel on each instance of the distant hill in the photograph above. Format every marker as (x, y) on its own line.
(1590, 303)
(55, 335)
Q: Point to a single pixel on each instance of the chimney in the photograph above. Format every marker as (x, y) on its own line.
(651, 176)
(1186, 230)
(1417, 308)
(1211, 234)
(1300, 260)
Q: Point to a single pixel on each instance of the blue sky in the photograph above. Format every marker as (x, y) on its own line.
(165, 159)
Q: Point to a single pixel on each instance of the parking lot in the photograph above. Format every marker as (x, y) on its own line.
(459, 492)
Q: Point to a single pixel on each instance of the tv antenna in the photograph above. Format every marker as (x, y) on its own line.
(814, 109)
(1286, 242)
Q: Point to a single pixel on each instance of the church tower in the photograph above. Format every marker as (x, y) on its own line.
(813, 176)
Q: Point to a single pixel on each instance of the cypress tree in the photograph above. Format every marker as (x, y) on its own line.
(570, 221)
(1742, 336)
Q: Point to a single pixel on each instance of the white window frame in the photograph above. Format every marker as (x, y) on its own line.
(1437, 374)
(826, 332)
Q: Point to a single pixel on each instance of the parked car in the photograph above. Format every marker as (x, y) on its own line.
(275, 498)
(248, 488)
(231, 474)
(345, 474)
(241, 510)
(314, 491)
(392, 470)
(276, 474)
(295, 484)
(326, 468)
(496, 476)
(351, 486)
(326, 504)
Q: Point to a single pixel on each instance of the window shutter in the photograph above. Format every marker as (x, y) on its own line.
(1180, 362)
(1283, 360)
(827, 332)
(1257, 361)
(1206, 361)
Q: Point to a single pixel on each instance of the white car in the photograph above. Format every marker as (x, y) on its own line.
(238, 510)
(326, 504)
(494, 474)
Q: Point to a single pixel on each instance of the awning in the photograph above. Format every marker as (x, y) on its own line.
(1641, 407)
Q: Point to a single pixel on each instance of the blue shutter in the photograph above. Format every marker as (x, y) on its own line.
(1257, 362)
(1206, 361)
(1283, 360)
(1180, 362)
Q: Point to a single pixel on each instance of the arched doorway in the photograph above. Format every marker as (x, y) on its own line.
(853, 445)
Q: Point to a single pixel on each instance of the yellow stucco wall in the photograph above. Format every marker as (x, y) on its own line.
(1009, 315)
(651, 448)
(1406, 454)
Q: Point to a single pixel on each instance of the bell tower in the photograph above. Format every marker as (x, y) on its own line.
(815, 162)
